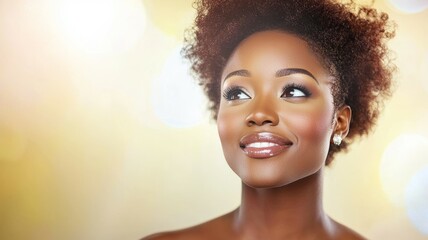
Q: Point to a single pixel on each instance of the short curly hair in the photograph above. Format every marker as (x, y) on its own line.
(350, 41)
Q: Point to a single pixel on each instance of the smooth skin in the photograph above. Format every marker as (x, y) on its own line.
(273, 83)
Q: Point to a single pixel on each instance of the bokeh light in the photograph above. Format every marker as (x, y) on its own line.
(410, 6)
(90, 91)
(403, 157)
(178, 101)
(417, 200)
(101, 26)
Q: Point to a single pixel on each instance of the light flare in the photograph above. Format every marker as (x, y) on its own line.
(403, 157)
(101, 27)
(177, 99)
(417, 200)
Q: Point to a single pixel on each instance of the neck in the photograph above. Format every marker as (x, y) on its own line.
(283, 212)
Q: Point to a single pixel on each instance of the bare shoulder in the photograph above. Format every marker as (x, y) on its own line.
(217, 228)
(345, 233)
(173, 235)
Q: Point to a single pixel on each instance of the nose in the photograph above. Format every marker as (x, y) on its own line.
(262, 113)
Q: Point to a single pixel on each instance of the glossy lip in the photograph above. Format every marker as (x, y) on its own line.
(264, 145)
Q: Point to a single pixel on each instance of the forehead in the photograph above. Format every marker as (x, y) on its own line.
(273, 50)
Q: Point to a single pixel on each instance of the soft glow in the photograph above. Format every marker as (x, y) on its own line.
(423, 69)
(101, 26)
(171, 17)
(88, 97)
(402, 158)
(177, 99)
(417, 200)
(12, 142)
(410, 6)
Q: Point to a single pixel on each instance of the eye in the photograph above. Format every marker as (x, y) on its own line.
(235, 93)
(295, 91)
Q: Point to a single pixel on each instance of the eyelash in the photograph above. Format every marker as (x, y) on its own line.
(299, 87)
(228, 92)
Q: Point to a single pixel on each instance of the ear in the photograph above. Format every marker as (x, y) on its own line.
(342, 121)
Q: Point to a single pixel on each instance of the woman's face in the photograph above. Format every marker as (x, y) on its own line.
(275, 118)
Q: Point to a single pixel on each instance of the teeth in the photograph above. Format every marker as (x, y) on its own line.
(261, 144)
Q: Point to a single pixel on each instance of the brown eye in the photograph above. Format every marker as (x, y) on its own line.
(295, 91)
(235, 93)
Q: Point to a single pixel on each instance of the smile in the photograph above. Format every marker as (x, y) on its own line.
(264, 145)
(261, 145)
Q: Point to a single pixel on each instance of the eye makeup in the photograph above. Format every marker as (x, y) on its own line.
(235, 93)
(289, 91)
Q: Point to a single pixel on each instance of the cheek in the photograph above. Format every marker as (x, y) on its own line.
(227, 122)
(313, 125)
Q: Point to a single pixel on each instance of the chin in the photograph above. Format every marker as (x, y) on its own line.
(265, 182)
(272, 181)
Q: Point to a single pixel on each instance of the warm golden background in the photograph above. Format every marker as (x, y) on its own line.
(103, 134)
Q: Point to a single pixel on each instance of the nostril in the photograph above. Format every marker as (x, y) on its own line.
(261, 123)
(261, 118)
(267, 122)
(251, 123)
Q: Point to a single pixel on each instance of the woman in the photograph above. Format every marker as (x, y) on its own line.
(291, 84)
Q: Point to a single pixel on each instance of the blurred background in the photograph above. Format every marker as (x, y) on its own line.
(104, 134)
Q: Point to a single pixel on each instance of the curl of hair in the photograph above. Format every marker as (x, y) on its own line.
(350, 41)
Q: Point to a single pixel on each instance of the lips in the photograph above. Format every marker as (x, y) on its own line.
(264, 145)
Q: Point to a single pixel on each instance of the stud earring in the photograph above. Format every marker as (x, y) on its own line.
(337, 139)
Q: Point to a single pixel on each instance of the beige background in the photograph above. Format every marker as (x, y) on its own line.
(92, 145)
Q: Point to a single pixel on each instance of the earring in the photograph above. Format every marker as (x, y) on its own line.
(337, 139)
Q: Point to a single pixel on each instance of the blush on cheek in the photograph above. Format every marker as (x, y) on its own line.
(228, 120)
(313, 127)
(223, 125)
(226, 127)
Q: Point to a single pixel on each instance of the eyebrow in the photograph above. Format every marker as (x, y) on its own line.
(289, 71)
(242, 73)
(280, 73)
